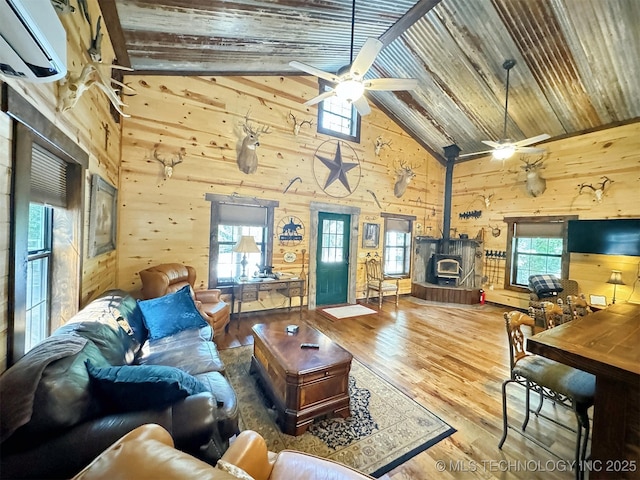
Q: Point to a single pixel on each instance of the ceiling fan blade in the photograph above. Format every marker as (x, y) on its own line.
(492, 144)
(315, 71)
(391, 84)
(530, 150)
(321, 97)
(474, 154)
(365, 58)
(531, 140)
(362, 106)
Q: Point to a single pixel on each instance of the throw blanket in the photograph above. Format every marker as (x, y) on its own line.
(543, 284)
(19, 383)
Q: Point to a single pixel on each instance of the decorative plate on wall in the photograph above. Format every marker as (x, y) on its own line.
(336, 168)
(290, 230)
(290, 257)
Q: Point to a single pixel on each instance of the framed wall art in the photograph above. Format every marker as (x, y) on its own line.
(371, 235)
(102, 217)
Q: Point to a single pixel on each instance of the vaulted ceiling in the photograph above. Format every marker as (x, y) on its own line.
(578, 61)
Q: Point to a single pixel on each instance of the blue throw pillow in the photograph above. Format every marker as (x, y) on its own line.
(170, 314)
(129, 388)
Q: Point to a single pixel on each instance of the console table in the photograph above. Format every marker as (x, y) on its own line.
(249, 291)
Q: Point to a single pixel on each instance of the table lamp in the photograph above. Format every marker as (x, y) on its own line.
(615, 279)
(246, 244)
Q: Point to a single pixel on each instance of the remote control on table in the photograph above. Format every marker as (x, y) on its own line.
(309, 345)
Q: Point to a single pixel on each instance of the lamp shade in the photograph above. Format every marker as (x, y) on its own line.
(616, 278)
(247, 244)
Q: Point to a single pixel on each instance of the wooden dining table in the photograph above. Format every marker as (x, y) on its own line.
(606, 344)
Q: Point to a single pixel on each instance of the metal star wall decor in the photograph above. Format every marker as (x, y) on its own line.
(331, 155)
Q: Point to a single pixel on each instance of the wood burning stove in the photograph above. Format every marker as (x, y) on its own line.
(447, 268)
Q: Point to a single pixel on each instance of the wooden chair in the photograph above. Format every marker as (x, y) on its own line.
(569, 287)
(555, 381)
(378, 282)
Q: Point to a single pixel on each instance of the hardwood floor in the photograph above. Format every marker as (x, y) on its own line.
(452, 359)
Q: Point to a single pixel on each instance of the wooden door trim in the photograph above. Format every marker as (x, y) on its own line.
(315, 208)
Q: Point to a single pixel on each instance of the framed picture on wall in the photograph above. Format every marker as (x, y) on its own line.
(102, 217)
(371, 235)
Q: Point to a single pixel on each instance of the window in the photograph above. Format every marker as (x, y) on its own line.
(535, 246)
(332, 241)
(337, 117)
(229, 264)
(231, 218)
(38, 274)
(397, 244)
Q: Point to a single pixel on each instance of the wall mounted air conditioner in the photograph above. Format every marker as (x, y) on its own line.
(33, 42)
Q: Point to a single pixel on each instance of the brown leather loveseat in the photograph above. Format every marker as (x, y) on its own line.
(148, 452)
(171, 277)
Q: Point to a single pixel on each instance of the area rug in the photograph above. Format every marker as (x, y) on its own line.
(386, 427)
(346, 311)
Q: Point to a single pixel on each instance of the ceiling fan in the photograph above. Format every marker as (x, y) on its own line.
(349, 81)
(505, 148)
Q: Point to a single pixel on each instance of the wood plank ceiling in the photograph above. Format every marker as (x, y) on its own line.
(578, 61)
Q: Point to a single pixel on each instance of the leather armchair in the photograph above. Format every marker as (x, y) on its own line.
(148, 452)
(171, 277)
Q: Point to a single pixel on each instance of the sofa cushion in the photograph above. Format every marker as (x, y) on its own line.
(139, 387)
(115, 344)
(170, 314)
(48, 388)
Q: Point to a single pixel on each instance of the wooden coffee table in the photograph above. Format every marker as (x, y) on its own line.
(302, 383)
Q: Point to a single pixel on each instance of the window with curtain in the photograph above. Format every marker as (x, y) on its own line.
(231, 218)
(397, 244)
(535, 246)
(338, 118)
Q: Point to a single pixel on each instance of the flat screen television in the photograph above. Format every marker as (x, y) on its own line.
(606, 237)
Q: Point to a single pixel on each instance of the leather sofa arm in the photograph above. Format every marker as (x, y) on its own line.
(249, 452)
(195, 427)
(208, 296)
(67, 454)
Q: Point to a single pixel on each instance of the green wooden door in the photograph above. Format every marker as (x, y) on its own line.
(332, 270)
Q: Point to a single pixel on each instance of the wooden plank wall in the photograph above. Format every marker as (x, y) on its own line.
(86, 124)
(614, 153)
(167, 220)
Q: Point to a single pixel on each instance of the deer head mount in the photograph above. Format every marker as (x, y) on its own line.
(379, 144)
(297, 124)
(404, 175)
(536, 185)
(168, 164)
(247, 155)
(486, 199)
(598, 190)
(73, 87)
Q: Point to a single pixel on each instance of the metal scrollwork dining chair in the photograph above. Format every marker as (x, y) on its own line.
(378, 282)
(552, 380)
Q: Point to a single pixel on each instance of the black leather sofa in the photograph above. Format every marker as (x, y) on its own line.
(54, 420)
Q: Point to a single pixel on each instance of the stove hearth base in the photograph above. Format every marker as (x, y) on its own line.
(445, 294)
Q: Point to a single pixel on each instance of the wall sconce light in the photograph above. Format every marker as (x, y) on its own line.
(246, 244)
(615, 279)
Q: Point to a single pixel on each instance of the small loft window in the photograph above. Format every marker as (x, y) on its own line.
(338, 118)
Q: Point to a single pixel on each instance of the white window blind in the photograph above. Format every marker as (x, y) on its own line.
(246, 215)
(48, 178)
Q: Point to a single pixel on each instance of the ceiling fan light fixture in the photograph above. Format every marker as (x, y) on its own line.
(504, 152)
(349, 90)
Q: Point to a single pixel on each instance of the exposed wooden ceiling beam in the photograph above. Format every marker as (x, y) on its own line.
(414, 14)
(114, 27)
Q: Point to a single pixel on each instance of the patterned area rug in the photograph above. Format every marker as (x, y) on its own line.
(386, 427)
